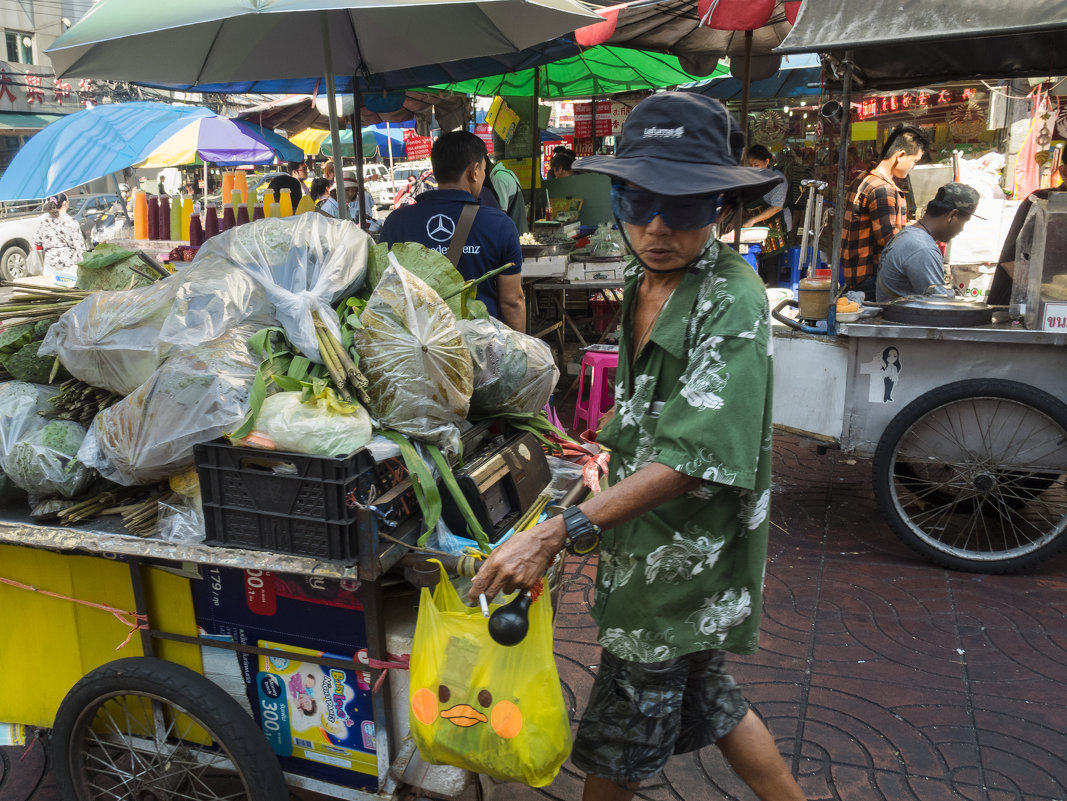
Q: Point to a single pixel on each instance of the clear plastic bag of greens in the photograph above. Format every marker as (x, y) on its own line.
(302, 264)
(195, 396)
(20, 407)
(417, 365)
(44, 463)
(111, 339)
(513, 372)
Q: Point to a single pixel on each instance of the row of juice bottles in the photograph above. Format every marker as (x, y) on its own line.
(157, 218)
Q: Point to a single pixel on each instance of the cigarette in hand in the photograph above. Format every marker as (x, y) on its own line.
(484, 604)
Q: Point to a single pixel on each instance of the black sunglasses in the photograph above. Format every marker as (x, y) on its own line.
(682, 213)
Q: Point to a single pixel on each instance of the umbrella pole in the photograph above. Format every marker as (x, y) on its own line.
(842, 172)
(357, 137)
(745, 88)
(535, 138)
(335, 134)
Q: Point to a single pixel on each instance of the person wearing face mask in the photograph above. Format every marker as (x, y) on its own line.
(875, 208)
(681, 532)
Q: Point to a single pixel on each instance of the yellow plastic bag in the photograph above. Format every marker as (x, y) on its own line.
(489, 708)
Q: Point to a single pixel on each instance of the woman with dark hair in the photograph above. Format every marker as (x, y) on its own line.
(60, 238)
(320, 190)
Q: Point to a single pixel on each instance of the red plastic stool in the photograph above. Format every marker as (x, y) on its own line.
(601, 388)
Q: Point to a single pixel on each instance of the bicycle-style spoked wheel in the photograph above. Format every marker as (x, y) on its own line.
(149, 730)
(972, 475)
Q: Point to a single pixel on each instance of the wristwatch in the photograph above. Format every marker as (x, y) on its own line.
(583, 536)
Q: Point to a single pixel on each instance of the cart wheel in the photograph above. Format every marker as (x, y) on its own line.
(972, 475)
(150, 730)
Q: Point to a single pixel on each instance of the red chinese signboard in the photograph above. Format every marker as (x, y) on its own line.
(416, 147)
(484, 131)
(609, 118)
(888, 104)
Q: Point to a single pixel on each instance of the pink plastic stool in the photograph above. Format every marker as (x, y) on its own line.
(601, 390)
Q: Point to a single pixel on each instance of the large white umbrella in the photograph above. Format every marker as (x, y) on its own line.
(237, 40)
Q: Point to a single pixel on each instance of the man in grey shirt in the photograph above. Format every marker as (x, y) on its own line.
(911, 262)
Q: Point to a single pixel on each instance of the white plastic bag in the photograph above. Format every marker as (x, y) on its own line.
(195, 396)
(321, 427)
(111, 339)
(414, 357)
(301, 264)
(513, 372)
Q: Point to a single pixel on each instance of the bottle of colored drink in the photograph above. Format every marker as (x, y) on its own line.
(164, 217)
(240, 184)
(268, 203)
(153, 217)
(211, 222)
(285, 204)
(187, 214)
(242, 214)
(176, 219)
(140, 215)
(258, 213)
(229, 220)
(196, 231)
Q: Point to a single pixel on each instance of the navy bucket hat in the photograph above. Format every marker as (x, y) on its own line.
(681, 143)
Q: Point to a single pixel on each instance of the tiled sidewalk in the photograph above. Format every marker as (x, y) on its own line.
(881, 676)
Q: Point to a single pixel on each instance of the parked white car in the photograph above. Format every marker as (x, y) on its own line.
(18, 226)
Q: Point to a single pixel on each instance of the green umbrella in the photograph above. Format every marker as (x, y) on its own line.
(599, 70)
(370, 144)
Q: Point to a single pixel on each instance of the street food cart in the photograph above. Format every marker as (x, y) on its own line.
(965, 417)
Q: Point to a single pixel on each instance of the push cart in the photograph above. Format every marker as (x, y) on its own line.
(166, 715)
(966, 423)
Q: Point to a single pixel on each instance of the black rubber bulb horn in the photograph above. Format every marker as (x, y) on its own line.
(508, 624)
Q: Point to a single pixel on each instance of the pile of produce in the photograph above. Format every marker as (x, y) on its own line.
(293, 333)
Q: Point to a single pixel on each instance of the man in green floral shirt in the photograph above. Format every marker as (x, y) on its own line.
(682, 530)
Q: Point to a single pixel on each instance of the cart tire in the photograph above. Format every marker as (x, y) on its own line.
(105, 746)
(973, 475)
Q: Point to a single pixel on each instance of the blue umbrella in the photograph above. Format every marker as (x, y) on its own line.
(90, 144)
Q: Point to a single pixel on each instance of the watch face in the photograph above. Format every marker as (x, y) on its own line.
(585, 542)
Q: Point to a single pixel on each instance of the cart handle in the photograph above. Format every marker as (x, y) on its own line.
(807, 329)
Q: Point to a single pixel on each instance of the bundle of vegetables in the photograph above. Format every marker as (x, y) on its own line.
(313, 420)
(111, 339)
(299, 265)
(19, 356)
(111, 267)
(31, 303)
(513, 373)
(195, 396)
(45, 463)
(77, 400)
(418, 369)
(20, 404)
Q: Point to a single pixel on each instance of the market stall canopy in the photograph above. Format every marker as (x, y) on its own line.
(915, 42)
(699, 32)
(299, 112)
(222, 41)
(799, 76)
(599, 70)
(224, 141)
(90, 144)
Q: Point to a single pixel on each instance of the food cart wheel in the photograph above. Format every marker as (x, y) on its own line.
(973, 475)
(150, 730)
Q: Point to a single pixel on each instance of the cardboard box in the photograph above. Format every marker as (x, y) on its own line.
(333, 740)
(596, 271)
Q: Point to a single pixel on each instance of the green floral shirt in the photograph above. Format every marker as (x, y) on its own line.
(688, 576)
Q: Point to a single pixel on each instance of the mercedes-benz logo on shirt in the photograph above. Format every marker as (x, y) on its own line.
(440, 228)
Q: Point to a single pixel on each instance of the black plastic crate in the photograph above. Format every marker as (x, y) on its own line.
(292, 502)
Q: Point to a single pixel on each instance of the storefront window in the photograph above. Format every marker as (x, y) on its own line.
(19, 47)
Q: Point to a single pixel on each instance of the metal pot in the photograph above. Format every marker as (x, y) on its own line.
(938, 311)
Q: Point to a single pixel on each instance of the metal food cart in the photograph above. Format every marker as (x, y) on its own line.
(967, 425)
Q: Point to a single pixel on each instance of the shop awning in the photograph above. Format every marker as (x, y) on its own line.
(13, 123)
(914, 42)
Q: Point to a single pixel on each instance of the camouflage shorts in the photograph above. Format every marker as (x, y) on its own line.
(641, 713)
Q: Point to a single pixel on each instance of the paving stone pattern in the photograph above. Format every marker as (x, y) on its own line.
(880, 675)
